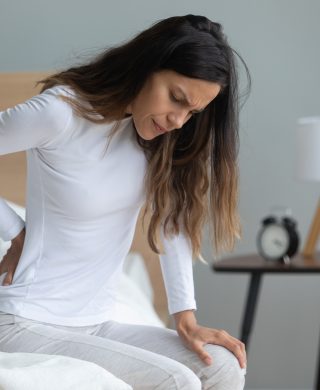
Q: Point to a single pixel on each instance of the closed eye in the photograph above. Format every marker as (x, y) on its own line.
(183, 102)
(174, 98)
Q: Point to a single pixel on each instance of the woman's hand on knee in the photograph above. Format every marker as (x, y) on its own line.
(195, 337)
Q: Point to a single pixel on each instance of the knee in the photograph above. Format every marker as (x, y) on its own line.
(180, 377)
(225, 371)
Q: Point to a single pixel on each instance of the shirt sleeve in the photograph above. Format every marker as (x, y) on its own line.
(37, 123)
(177, 270)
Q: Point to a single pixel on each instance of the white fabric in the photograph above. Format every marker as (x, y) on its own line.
(31, 371)
(134, 293)
(13, 225)
(145, 357)
(134, 266)
(82, 206)
(24, 371)
(133, 306)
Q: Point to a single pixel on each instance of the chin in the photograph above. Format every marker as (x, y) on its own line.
(146, 131)
(146, 134)
(147, 137)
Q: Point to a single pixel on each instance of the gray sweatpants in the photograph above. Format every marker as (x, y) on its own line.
(146, 357)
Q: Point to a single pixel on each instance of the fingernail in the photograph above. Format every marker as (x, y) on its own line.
(207, 361)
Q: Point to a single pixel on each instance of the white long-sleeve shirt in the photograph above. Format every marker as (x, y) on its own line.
(81, 210)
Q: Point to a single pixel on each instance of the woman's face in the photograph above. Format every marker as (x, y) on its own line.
(167, 101)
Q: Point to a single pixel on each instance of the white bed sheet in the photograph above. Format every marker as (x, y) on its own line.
(29, 371)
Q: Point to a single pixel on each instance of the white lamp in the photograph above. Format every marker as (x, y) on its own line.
(308, 168)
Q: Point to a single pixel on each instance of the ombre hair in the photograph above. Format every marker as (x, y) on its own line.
(192, 174)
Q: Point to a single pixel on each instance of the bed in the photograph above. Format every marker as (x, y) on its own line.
(141, 297)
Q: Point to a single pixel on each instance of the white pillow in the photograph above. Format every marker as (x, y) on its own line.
(133, 306)
(135, 268)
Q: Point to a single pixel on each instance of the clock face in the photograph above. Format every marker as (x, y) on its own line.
(274, 241)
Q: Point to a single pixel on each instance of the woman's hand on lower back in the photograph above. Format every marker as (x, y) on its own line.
(11, 258)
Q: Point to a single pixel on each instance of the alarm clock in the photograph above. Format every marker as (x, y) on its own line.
(278, 239)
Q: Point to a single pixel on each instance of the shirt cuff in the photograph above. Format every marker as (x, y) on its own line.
(176, 308)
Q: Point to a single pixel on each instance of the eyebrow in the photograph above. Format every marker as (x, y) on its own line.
(186, 100)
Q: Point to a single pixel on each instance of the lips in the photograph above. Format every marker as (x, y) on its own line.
(159, 128)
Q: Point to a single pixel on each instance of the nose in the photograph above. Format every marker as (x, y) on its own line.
(178, 118)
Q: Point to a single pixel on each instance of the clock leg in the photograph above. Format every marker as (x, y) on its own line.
(252, 297)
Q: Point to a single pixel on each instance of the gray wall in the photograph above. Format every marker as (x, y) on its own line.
(278, 40)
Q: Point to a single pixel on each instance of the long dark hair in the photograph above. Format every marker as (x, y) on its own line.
(192, 175)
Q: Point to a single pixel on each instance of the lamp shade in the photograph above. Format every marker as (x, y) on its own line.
(308, 148)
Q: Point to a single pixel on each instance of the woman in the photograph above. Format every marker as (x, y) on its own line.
(167, 103)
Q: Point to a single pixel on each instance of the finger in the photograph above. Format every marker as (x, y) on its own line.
(233, 345)
(237, 349)
(242, 347)
(202, 353)
(2, 266)
(8, 279)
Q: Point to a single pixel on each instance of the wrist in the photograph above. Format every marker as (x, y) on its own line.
(185, 319)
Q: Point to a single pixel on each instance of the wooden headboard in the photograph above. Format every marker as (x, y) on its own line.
(16, 88)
